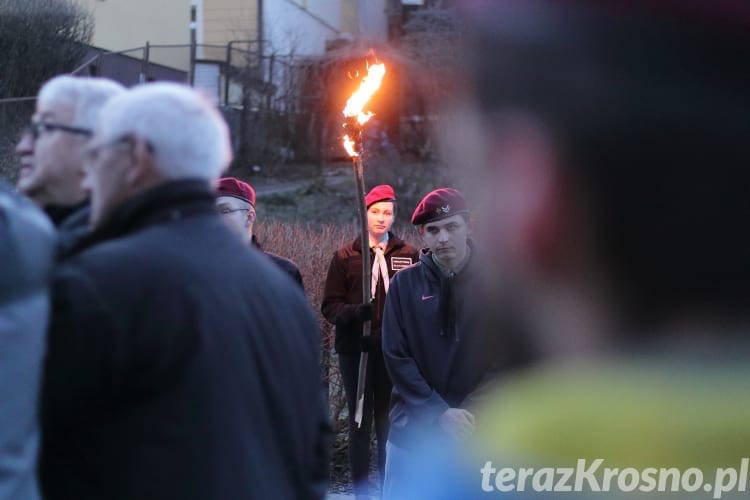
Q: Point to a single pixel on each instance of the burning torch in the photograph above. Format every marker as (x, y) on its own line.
(354, 145)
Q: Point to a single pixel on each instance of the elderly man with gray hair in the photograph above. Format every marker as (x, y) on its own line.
(180, 365)
(51, 151)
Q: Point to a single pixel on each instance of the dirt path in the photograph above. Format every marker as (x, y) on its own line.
(277, 187)
(332, 178)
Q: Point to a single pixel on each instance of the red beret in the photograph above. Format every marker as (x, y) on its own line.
(229, 186)
(383, 192)
(439, 204)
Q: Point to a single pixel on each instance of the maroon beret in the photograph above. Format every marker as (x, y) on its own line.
(229, 186)
(383, 192)
(439, 204)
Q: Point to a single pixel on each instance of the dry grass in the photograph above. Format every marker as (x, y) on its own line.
(309, 223)
(312, 249)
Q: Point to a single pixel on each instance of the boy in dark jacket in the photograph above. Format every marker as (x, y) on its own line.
(342, 305)
(435, 354)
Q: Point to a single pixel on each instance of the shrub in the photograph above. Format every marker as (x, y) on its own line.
(311, 248)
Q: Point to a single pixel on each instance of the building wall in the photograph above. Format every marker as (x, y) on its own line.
(373, 20)
(299, 27)
(128, 70)
(227, 20)
(302, 27)
(365, 19)
(126, 24)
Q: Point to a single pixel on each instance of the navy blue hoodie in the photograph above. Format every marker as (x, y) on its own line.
(434, 351)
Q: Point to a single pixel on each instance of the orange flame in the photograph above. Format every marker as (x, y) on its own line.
(349, 146)
(356, 103)
(370, 84)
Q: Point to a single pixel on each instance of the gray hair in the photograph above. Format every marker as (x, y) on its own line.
(85, 95)
(188, 134)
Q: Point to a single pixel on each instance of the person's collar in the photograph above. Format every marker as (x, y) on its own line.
(58, 213)
(169, 200)
(383, 242)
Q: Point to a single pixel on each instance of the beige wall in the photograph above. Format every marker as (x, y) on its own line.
(126, 24)
(226, 20)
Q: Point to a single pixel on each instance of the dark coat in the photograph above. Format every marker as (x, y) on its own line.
(343, 289)
(434, 349)
(27, 242)
(181, 366)
(72, 226)
(284, 264)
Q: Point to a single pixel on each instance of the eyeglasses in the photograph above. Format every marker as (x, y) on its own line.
(227, 210)
(35, 129)
(91, 154)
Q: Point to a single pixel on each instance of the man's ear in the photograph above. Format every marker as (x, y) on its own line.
(142, 170)
(250, 218)
(527, 202)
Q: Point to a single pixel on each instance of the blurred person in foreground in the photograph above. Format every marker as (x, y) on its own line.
(236, 204)
(180, 365)
(51, 151)
(617, 143)
(439, 359)
(27, 242)
(342, 305)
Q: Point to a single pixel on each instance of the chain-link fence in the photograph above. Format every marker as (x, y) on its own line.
(280, 108)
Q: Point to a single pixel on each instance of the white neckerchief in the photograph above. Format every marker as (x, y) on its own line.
(379, 266)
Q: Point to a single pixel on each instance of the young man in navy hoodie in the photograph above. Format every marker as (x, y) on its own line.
(435, 353)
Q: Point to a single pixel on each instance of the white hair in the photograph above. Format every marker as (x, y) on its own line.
(188, 134)
(85, 95)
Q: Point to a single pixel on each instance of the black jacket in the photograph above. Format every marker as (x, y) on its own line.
(72, 226)
(343, 289)
(181, 366)
(435, 349)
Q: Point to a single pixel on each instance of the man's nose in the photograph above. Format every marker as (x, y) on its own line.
(25, 144)
(443, 235)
